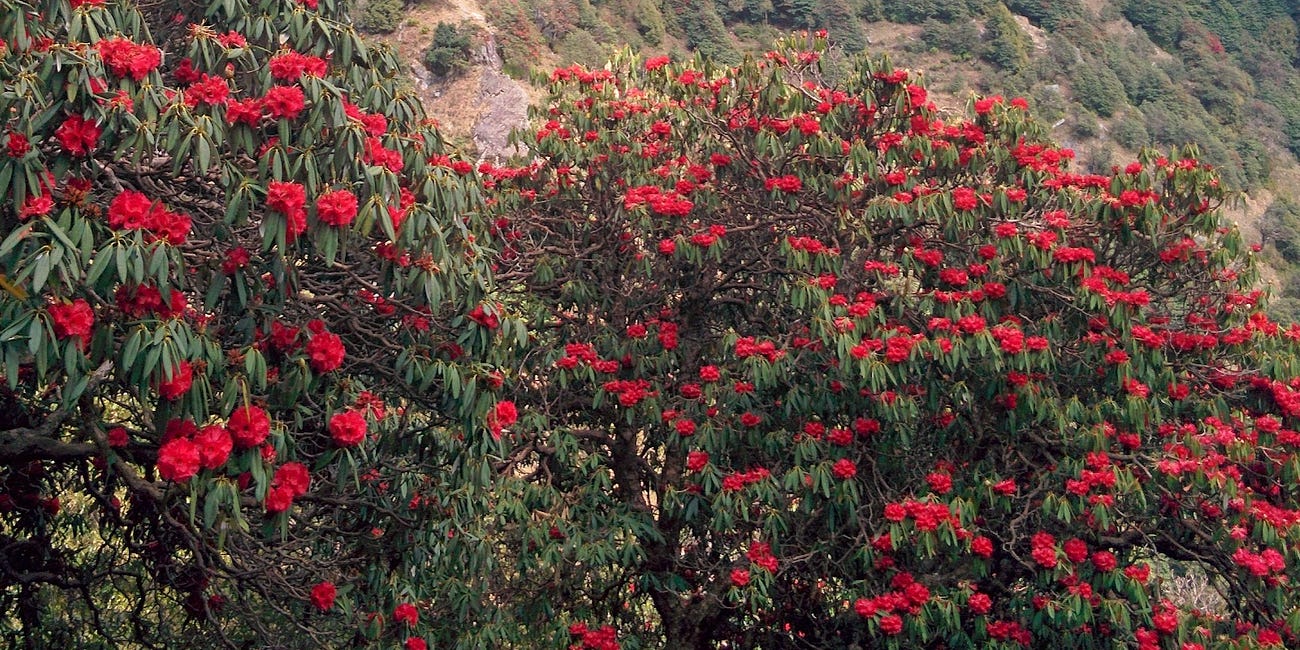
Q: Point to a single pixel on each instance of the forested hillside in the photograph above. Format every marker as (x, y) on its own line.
(1110, 76)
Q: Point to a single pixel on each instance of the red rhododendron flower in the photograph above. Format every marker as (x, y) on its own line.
(940, 482)
(36, 205)
(214, 444)
(1104, 561)
(207, 90)
(336, 207)
(739, 577)
(179, 383)
(285, 102)
(501, 416)
(406, 613)
(17, 145)
(249, 426)
(278, 499)
(685, 427)
(697, 460)
(326, 352)
(124, 58)
(348, 429)
(244, 111)
(322, 596)
(288, 65)
(789, 184)
(1076, 550)
(118, 438)
(72, 320)
(979, 603)
(294, 477)
(844, 469)
(178, 460)
(891, 624)
(77, 135)
(982, 546)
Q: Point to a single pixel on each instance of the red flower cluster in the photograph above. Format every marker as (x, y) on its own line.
(175, 386)
(17, 145)
(290, 200)
(375, 123)
(630, 391)
(244, 111)
(760, 553)
(965, 199)
(739, 577)
(844, 469)
(77, 135)
(489, 319)
(406, 613)
(145, 300)
(1009, 631)
(502, 415)
(322, 596)
(926, 516)
(1043, 549)
(284, 102)
(325, 350)
(747, 347)
(1260, 564)
(178, 460)
(738, 481)
(789, 184)
(186, 449)
(348, 428)
(288, 65)
(124, 58)
(697, 460)
(908, 597)
(72, 320)
(215, 445)
(604, 638)
(336, 207)
(667, 203)
(290, 482)
(210, 90)
(249, 426)
(131, 210)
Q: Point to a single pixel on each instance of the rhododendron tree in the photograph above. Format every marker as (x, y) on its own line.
(813, 363)
(234, 330)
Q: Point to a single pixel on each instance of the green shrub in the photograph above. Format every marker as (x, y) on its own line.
(703, 28)
(380, 16)
(918, 11)
(649, 21)
(1129, 131)
(449, 51)
(960, 37)
(1048, 13)
(1096, 87)
(838, 18)
(1084, 123)
(1004, 44)
(579, 46)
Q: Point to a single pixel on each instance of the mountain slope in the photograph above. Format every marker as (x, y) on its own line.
(1109, 76)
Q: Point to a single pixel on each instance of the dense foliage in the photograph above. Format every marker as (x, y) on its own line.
(236, 291)
(740, 354)
(812, 365)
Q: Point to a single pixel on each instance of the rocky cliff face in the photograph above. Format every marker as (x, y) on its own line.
(477, 107)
